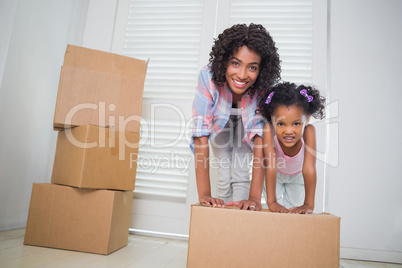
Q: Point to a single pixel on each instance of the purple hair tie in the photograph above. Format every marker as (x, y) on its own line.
(304, 93)
(269, 98)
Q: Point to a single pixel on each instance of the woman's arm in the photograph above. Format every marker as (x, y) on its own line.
(201, 156)
(202, 115)
(257, 178)
(309, 171)
(257, 181)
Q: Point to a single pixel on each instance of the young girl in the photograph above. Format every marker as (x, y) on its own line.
(289, 149)
(291, 175)
(243, 62)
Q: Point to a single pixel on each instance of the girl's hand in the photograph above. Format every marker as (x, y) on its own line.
(276, 207)
(246, 205)
(208, 200)
(304, 209)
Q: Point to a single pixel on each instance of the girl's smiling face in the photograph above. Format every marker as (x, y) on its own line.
(289, 123)
(242, 71)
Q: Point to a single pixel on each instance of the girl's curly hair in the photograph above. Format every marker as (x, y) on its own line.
(288, 94)
(256, 38)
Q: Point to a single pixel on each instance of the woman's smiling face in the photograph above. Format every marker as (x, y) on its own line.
(242, 70)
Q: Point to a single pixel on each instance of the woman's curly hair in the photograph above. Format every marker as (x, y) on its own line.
(256, 38)
(288, 94)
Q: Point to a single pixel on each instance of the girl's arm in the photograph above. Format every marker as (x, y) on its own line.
(309, 171)
(270, 171)
(201, 155)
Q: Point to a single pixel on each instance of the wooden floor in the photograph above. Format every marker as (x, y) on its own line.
(141, 251)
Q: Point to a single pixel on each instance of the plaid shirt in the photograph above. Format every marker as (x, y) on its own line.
(211, 110)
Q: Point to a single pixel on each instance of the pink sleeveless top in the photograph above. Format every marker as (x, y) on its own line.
(289, 165)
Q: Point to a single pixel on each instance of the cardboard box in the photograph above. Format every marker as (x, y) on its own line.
(99, 88)
(222, 237)
(96, 157)
(95, 221)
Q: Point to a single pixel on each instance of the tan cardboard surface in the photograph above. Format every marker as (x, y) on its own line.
(110, 164)
(95, 221)
(99, 88)
(222, 237)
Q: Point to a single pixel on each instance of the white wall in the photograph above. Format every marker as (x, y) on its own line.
(31, 54)
(7, 11)
(365, 77)
(99, 27)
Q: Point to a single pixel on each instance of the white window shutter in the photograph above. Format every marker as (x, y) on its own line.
(162, 167)
(169, 33)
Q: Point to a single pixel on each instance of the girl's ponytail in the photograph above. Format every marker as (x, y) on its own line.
(315, 102)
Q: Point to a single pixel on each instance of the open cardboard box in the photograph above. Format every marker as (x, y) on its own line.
(64, 217)
(96, 157)
(99, 88)
(229, 237)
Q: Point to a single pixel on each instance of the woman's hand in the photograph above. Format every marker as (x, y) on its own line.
(208, 200)
(276, 207)
(246, 205)
(304, 209)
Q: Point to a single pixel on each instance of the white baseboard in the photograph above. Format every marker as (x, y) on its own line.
(158, 234)
(371, 255)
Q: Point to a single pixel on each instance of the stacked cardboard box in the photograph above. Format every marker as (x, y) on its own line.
(87, 205)
(228, 237)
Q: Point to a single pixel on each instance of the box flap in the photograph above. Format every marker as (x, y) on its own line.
(105, 62)
(265, 210)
